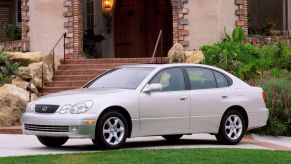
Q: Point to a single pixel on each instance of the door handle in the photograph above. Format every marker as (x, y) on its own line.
(183, 98)
(224, 97)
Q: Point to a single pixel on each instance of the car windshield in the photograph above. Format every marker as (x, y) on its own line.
(121, 78)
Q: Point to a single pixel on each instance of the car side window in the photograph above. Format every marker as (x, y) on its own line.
(201, 78)
(221, 80)
(172, 79)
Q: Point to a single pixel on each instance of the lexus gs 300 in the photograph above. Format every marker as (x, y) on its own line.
(168, 100)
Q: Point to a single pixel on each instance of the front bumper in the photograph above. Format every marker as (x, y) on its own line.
(72, 126)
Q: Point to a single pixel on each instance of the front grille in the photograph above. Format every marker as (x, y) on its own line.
(46, 108)
(46, 128)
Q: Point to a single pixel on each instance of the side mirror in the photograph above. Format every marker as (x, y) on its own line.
(153, 88)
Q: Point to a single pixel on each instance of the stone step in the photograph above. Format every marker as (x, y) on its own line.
(94, 72)
(109, 60)
(75, 84)
(78, 71)
(90, 66)
(11, 130)
(57, 89)
(73, 77)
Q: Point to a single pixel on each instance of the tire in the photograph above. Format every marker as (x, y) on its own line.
(52, 141)
(172, 138)
(232, 128)
(111, 131)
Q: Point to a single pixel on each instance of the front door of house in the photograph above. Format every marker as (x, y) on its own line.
(137, 26)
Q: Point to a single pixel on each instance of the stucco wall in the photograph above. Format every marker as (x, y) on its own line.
(46, 25)
(207, 20)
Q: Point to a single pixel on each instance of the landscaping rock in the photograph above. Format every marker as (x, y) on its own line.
(24, 84)
(56, 60)
(194, 57)
(24, 59)
(177, 54)
(27, 73)
(13, 101)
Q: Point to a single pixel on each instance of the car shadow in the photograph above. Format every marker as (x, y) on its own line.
(140, 145)
(165, 143)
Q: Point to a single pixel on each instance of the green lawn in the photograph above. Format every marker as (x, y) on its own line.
(232, 156)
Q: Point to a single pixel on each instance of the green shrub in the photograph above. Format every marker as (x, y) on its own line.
(3, 59)
(267, 66)
(245, 60)
(280, 73)
(12, 31)
(278, 92)
(232, 55)
(1, 76)
(7, 67)
(238, 35)
(12, 68)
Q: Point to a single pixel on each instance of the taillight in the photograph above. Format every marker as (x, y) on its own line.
(264, 97)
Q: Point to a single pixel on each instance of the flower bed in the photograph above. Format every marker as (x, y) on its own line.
(267, 66)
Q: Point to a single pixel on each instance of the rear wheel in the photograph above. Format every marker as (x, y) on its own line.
(172, 138)
(52, 141)
(111, 131)
(232, 128)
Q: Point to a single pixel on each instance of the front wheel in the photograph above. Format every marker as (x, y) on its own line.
(232, 128)
(111, 131)
(52, 141)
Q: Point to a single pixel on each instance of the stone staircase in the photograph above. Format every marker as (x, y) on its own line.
(78, 71)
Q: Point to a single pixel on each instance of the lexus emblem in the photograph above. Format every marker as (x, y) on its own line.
(44, 109)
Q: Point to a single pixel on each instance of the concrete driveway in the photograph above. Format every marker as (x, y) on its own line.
(22, 145)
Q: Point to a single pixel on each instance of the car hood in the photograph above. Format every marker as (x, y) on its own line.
(78, 95)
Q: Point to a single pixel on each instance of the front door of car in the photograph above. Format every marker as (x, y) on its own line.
(166, 111)
(209, 95)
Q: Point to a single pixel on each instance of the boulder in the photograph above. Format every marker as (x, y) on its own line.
(13, 101)
(27, 73)
(24, 59)
(24, 84)
(194, 57)
(50, 59)
(177, 54)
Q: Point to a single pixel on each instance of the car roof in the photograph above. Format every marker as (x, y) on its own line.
(166, 65)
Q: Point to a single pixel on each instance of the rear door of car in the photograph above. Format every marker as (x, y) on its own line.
(168, 111)
(209, 97)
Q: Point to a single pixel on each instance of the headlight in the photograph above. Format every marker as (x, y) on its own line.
(65, 109)
(30, 108)
(82, 107)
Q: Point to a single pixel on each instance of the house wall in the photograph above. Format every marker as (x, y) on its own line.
(195, 23)
(207, 20)
(46, 22)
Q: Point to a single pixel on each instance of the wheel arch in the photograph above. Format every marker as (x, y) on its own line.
(242, 111)
(123, 111)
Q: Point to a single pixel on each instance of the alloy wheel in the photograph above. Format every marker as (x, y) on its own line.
(233, 127)
(113, 130)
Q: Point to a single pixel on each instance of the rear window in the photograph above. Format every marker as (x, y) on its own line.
(221, 80)
(201, 78)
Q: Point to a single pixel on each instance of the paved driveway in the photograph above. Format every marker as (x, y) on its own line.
(21, 145)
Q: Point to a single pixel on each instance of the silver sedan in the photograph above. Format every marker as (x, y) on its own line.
(169, 100)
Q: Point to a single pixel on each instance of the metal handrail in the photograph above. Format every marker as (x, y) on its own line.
(159, 40)
(64, 35)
